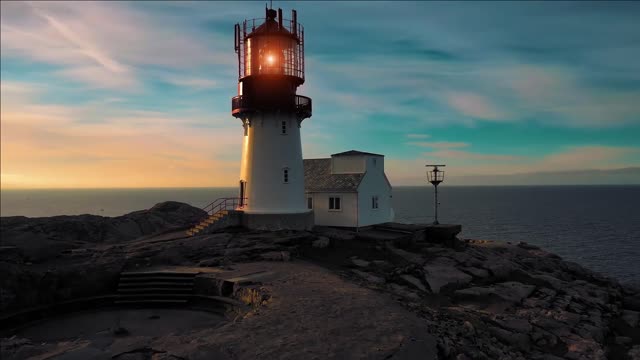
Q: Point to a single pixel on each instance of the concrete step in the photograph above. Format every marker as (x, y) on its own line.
(155, 290)
(154, 287)
(133, 284)
(150, 289)
(152, 275)
(154, 296)
(155, 301)
(157, 279)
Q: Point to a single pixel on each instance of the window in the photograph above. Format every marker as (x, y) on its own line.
(309, 203)
(284, 128)
(285, 176)
(334, 204)
(374, 202)
(375, 162)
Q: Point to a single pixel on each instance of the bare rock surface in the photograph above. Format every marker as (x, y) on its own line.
(442, 272)
(337, 295)
(41, 238)
(311, 313)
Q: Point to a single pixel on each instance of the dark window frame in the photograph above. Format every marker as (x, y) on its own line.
(335, 203)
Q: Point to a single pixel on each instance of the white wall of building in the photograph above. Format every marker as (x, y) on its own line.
(347, 216)
(266, 152)
(373, 184)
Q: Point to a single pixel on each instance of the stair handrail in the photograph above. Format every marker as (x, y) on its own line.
(226, 203)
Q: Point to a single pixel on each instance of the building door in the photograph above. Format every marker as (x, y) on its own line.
(243, 188)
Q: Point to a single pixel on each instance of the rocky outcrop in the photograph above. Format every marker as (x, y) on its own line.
(93, 269)
(493, 300)
(479, 299)
(43, 238)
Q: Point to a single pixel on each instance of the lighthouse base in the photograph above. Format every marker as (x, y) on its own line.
(296, 221)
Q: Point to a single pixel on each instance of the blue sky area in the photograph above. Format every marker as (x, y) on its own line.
(114, 94)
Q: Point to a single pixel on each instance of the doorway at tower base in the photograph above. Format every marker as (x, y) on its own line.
(296, 221)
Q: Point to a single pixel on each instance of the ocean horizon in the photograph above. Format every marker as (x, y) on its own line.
(597, 226)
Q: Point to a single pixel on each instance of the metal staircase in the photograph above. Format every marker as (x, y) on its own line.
(217, 211)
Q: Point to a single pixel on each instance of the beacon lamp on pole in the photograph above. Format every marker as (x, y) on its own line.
(435, 177)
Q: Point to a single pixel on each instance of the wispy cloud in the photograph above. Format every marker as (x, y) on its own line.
(475, 106)
(194, 83)
(447, 154)
(439, 144)
(467, 164)
(102, 44)
(55, 146)
(77, 43)
(418, 136)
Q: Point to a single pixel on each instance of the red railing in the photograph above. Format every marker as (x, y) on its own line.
(225, 204)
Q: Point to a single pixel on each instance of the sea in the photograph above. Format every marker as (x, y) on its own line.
(595, 226)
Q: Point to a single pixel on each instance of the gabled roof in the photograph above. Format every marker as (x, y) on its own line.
(355, 152)
(318, 177)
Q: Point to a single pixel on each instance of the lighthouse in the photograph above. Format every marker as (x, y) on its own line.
(270, 69)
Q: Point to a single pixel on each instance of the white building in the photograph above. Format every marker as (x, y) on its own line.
(350, 189)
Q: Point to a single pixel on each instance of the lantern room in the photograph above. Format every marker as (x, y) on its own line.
(270, 65)
(270, 46)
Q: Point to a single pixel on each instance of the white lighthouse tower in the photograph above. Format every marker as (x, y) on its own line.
(270, 69)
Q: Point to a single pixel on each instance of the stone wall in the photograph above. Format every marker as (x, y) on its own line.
(300, 221)
(232, 219)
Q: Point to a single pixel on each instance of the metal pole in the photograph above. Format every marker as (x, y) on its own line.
(436, 205)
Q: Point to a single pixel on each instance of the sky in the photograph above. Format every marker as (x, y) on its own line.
(138, 94)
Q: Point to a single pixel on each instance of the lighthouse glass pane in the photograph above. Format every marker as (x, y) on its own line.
(272, 55)
(248, 59)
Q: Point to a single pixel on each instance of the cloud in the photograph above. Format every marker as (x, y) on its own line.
(104, 44)
(582, 157)
(447, 154)
(99, 77)
(11, 88)
(418, 136)
(559, 93)
(474, 105)
(78, 43)
(466, 164)
(194, 83)
(439, 144)
(49, 145)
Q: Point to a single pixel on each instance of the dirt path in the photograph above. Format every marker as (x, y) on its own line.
(314, 314)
